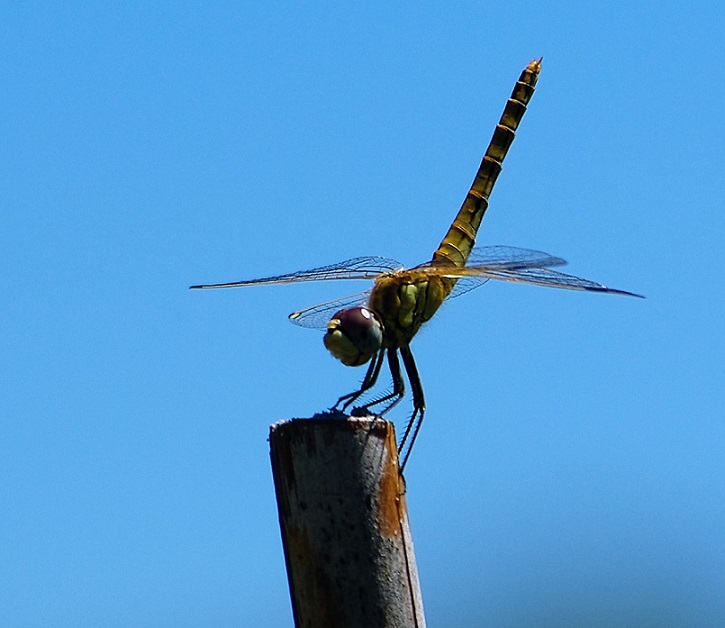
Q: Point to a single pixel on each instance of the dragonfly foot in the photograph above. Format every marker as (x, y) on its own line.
(361, 411)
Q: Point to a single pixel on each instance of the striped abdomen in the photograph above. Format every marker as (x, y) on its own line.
(456, 246)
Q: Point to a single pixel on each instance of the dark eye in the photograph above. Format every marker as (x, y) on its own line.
(361, 326)
(354, 335)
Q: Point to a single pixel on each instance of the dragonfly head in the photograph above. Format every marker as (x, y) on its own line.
(354, 335)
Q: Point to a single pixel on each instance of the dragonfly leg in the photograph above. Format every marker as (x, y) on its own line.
(368, 381)
(418, 405)
(398, 385)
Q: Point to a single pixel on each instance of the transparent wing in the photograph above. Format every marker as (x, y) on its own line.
(512, 257)
(505, 263)
(355, 268)
(466, 285)
(551, 279)
(472, 277)
(317, 316)
(499, 256)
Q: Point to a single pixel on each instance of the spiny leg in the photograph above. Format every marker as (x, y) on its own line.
(368, 381)
(398, 384)
(418, 405)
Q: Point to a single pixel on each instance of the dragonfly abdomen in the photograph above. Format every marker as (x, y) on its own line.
(461, 237)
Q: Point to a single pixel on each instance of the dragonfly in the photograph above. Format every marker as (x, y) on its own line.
(379, 324)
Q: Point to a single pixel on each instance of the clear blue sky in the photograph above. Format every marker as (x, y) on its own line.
(571, 469)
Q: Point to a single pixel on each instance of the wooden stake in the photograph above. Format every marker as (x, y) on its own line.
(344, 522)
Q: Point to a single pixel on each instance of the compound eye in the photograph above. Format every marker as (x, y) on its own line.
(354, 335)
(361, 326)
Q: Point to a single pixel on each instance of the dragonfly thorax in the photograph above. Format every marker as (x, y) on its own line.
(354, 335)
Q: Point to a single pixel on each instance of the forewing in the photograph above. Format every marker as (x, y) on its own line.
(550, 279)
(507, 263)
(475, 276)
(355, 268)
(512, 257)
(495, 257)
(317, 316)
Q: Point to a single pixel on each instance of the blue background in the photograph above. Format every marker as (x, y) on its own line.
(571, 467)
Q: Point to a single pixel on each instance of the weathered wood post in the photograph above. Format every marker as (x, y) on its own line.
(344, 522)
